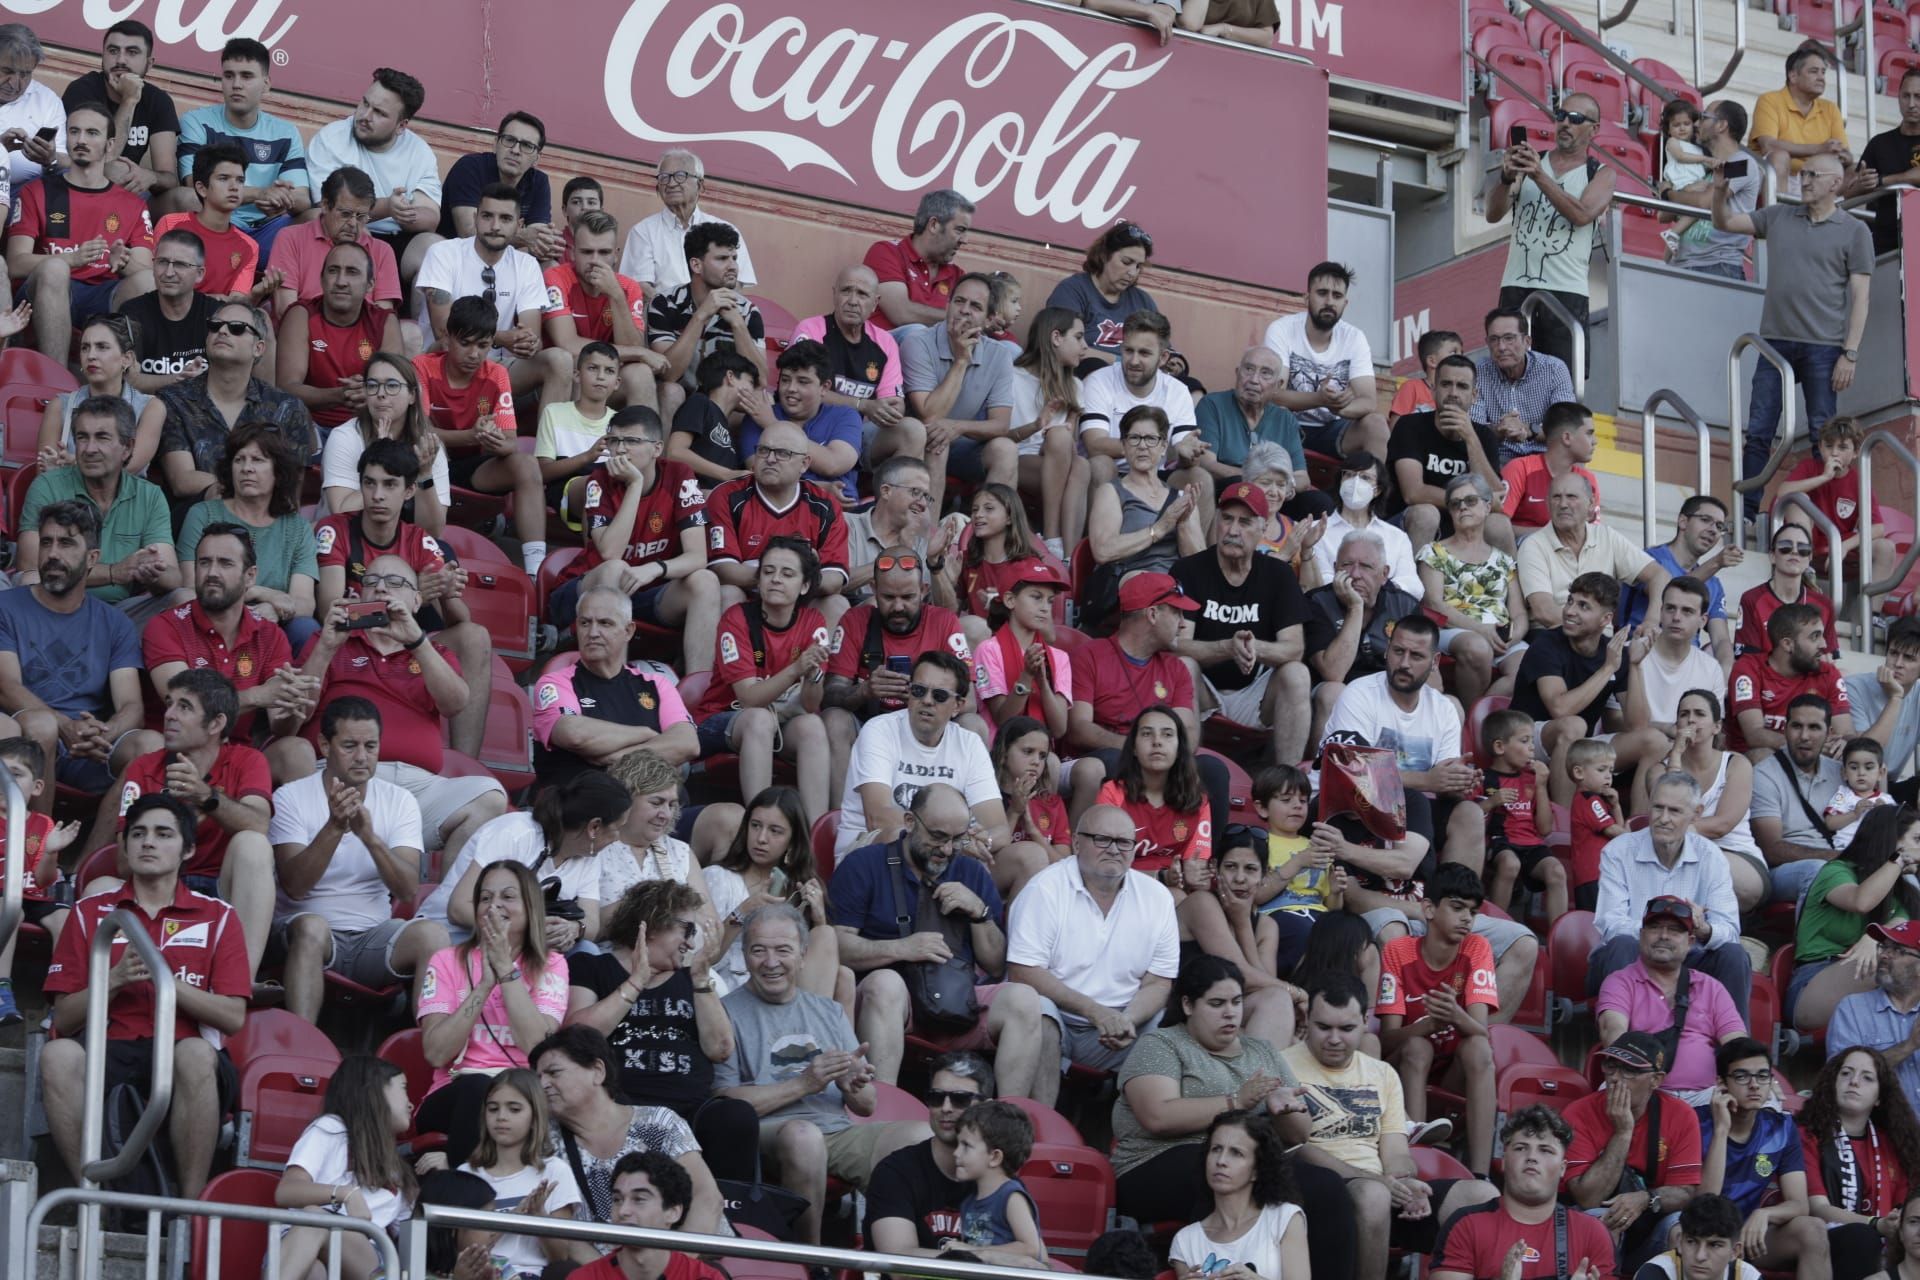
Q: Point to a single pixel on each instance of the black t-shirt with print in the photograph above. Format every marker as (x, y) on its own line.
(1268, 601)
(908, 1184)
(1418, 436)
(713, 439)
(658, 1042)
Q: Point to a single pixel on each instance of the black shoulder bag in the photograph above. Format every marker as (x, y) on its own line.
(1806, 806)
(1682, 997)
(941, 991)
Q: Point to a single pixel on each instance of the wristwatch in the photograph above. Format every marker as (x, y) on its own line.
(212, 801)
(424, 484)
(1852, 353)
(1653, 1202)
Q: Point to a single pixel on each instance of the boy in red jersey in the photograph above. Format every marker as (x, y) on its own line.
(1596, 814)
(233, 256)
(23, 759)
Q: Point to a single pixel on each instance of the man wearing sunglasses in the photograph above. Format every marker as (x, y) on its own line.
(202, 410)
(1557, 200)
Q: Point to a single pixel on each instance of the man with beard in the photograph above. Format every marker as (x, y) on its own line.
(375, 139)
(902, 751)
(226, 782)
(217, 631)
(1788, 782)
(917, 274)
(960, 385)
(926, 897)
(1098, 940)
(708, 313)
(1327, 370)
(865, 364)
(875, 645)
(325, 342)
(1247, 642)
(486, 265)
(144, 117)
(1888, 1017)
(588, 301)
(1429, 449)
(1133, 380)
(138, 568)
(346, 207)
(1765, 685)
(1518, 1236)
(589, 713)
(1648, 996)
(1569, 673)
(832, 430)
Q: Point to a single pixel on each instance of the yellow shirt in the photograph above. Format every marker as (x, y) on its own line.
(1350, 1110)
(1776, 116)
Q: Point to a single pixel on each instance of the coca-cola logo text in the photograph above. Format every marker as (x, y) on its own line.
(211, 27)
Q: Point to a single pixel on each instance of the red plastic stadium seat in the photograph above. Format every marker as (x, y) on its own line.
(18, 482)
(405, 1049)
(1525, 68)
(1812, 19)
(1049, 1125)
(891, 1102)
(825, 832)
(1894, 64)
(1604, 83)
(1431, 1162)
(471, 509)
(1513, 1048)
(1072, 1187)
(243, 1245)
(284, 1063)
(1476, 725)
(1763, 1009)
(550, 577)
(500, 598)
(776, 321)
(1570, 944)
(760, 1268)
(1500, 120)
(472, 548)
(21, 406)
(506, 750)
(1633, 174)
(1672, 80)
(1556, 1086)
(1492, 30)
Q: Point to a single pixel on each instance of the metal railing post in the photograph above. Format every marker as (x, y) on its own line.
(1837, 586)
(15, 874)
(93, 1170)
(1541, 300)
(1573, 28)
(1649, 428)
(1870, 586)
(1784, 430)
(1709, 87)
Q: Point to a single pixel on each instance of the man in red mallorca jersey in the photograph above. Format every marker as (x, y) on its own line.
(1517, 1237)
(1763, 685)
(227, 783)
(325, 342)
(200, 938)
(744, 515)
(347, 543)
(588, 301)
(646, 538)
(469, 400)
(78, 245)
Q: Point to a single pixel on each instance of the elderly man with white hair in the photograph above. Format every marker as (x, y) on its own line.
(28, 108)
(655, 252)
(1351, 619)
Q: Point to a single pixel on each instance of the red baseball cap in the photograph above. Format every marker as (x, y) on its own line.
(1250, 496)
(1036, 570)
(1144, 590)
(1905, 934)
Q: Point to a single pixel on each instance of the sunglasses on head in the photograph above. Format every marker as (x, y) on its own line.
(1573, 117)
(1129, 233)
(886, 563)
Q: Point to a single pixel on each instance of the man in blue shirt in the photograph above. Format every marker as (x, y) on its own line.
(514, 160)
(1747, 1150)
(936, 904)
(833, 430)
(1701, 528)
(1888, 1017)
(276, 183)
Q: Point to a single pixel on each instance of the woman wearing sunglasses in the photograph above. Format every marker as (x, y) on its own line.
(1107, 290)
(653, 996)
(1791, 551)
(1158, 784)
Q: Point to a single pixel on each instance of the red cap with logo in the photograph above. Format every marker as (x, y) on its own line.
(1145, 590)
(1250, 496)
(1036, 570)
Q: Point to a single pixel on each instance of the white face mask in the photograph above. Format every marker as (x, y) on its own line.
(1356, 492)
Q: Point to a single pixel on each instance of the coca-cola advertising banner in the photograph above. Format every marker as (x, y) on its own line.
(1409, 46)
(1055, 122)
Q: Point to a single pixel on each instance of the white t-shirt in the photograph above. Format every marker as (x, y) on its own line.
(350, 893)
(1258, 1249)
(513, 837)
(322, 1151)
(1347, 357)
(1054, 924)
(886, 751)
(726, 890)
(519, 1256)
(1422, 737)
(1666, 683)
(340, 463)
(1400, 566)
(37, 108)
(1027, 407)
(1105, 398)
(622, 866)
(454, 267)
(407, 164)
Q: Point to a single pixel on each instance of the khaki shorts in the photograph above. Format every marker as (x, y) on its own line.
(850, 1151)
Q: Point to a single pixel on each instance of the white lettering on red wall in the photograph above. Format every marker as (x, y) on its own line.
(212, 24)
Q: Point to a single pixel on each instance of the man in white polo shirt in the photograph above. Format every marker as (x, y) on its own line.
(1097, 939)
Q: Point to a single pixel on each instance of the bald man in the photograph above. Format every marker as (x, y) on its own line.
(866, 366)
(1231, 422)
(1557, 200)
(1819, 271)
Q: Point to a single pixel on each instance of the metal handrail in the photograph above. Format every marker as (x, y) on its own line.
(1862, 25)
(1783, 434)
(1836, 585)
(1539, 299)
(1649, 427)
(1869, 585)
(93, 1169)
(1725, 77)
(1600, 19)
(13, 877)
(1573, 28)
(332, 1223)
(414, 1242)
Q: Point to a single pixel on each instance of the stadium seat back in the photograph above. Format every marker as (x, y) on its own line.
(500, 598)
(243, 1245)
(470, 547)
(279, 1097)
(1072, 1187)
(824, 834)
(22, 405)
(1570, 944)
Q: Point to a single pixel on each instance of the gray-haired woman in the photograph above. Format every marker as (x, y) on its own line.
(1269, 468)
(1476, 587)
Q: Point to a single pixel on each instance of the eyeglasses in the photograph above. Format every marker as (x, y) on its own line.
(1132, 233)
(677, 177)
(487, 289)
(1573, 117)
(1461, 504)
(885, 563)
(958, 1099)
(776, 456)
(687, 927)
(351, 215)
(386, 387)
(234, 327)
(939, 697)
(1793, 548)
(1713, 523)
(1106, 844)
(1504, 339)
(627, 442)
(519, 144)
(1749, 1077)
(1139, 441)
(912, 491)
(175, 264)
(939, 839)
(391, 581)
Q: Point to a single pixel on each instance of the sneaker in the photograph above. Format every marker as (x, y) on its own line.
(1672, 240)
(1429, 1133)
(9, 1011)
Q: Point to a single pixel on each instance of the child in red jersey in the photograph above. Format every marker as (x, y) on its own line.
(25, 762)
(1519, 815)
(1597, 816)
(1159, 786)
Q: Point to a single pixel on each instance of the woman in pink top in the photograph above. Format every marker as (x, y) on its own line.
(484, 1003)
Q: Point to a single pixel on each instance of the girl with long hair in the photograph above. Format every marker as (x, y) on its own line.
(514, 1159)
(393, 411)
(1903, 1251)
(1046, 423)
(1023, 767)
(1339, 942)
(574, 826)
(1228, 923)
(486, 1001)
(1861, 1145)
(348, 1161)
(260, 478)
(769, 861)
(1868, 882)
(1256, 1228)
(999, 541)
(1158, 784)
(108, 354)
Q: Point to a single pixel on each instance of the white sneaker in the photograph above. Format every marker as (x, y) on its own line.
(1058, 550)
(1429, 1133)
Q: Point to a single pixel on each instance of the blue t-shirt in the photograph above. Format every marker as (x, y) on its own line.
(1753, 1166)
(1104, 320)
(1633, 597)
(983, 1222)
(861, 895)
(272, 146)
(833, 422)
(65, 658)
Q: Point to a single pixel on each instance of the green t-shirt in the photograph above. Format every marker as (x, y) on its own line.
(139, 517)
(284, 549)
(1172, 1052)
(1825, 931)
